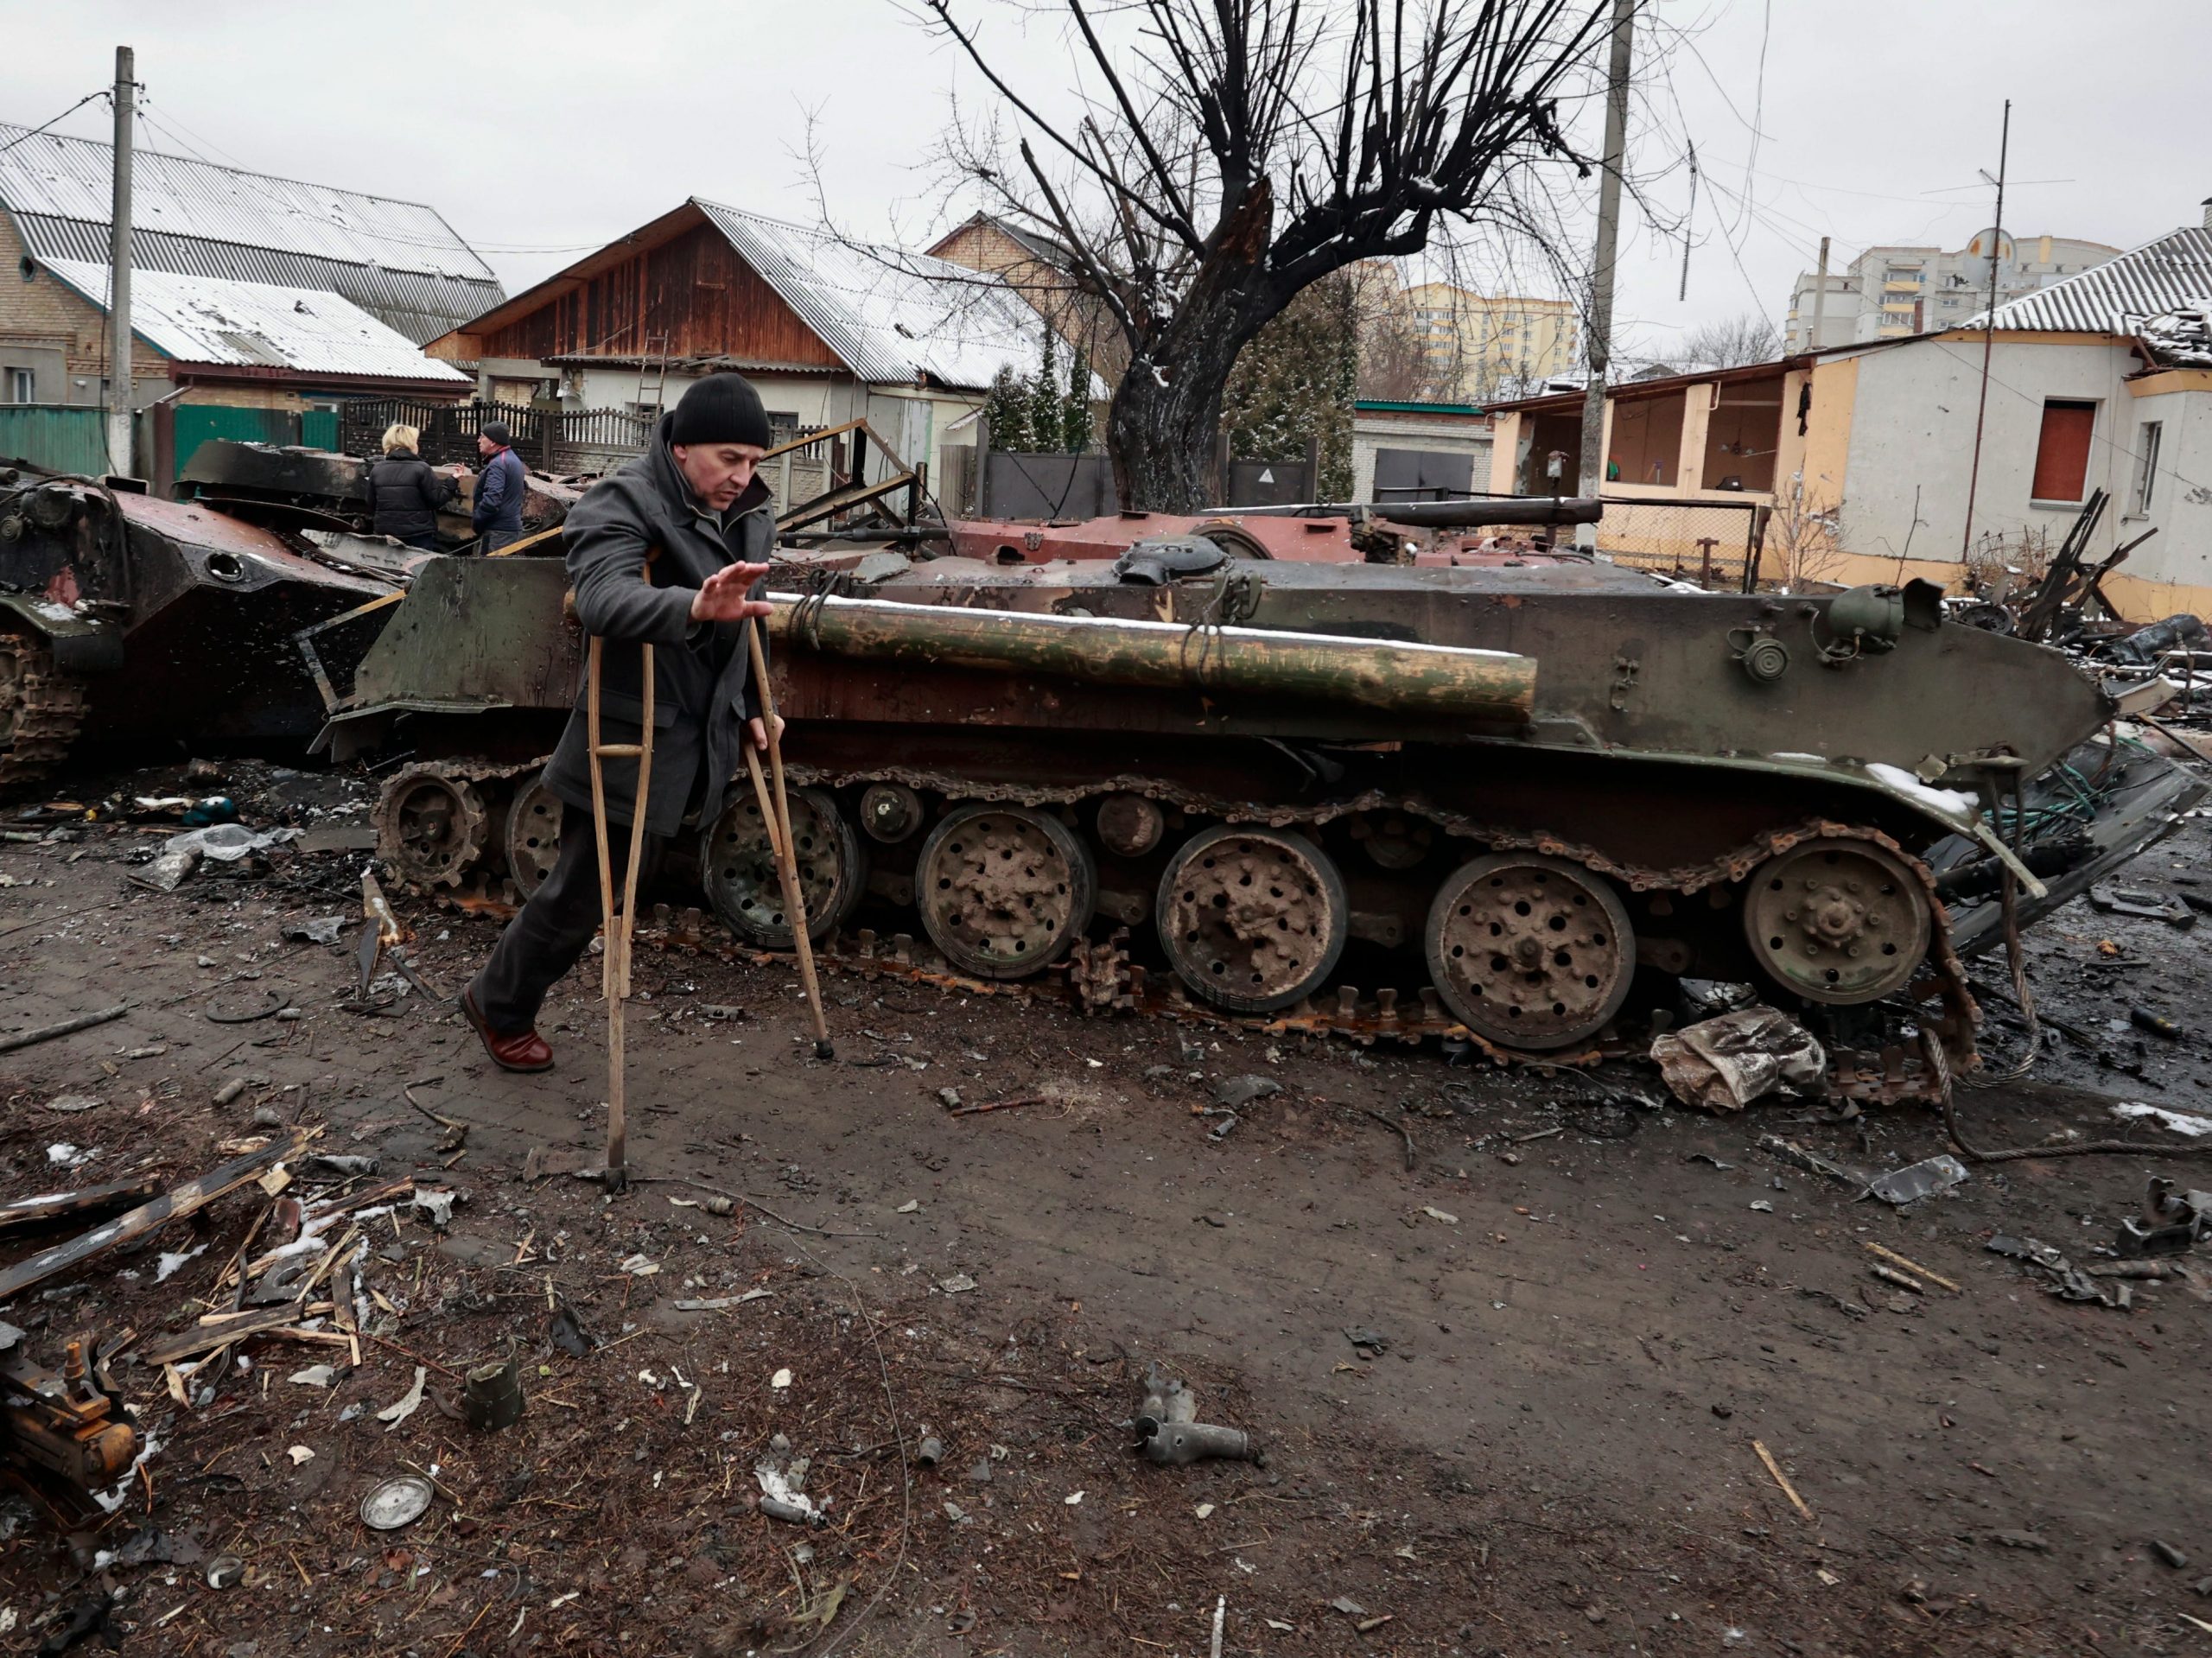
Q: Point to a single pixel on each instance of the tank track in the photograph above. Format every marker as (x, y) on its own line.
(1100, 976)
(48, 712)
(478, 883)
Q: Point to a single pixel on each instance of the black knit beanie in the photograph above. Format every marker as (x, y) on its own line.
(721, 409)
(497, 431)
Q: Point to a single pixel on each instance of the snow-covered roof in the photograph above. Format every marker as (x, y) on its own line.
(235, 324)
(890, 316)
(399, 260)
(2182, 338)
(2119, 295)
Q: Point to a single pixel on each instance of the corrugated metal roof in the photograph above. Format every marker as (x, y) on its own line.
(399, 260)
(2119, 295)
(889, 314)
(208, 320)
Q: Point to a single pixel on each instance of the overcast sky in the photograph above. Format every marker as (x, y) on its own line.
(543, 131)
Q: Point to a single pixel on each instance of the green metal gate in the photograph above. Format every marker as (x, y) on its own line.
(55, 436)
(197, 422)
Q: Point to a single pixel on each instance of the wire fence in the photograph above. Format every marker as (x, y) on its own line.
(558, 441)
(1717, 545)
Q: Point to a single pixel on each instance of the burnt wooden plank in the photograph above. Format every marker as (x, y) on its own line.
(37, 1214)
(171, 1205)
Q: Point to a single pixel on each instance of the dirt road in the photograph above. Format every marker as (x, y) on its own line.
(1576, 1320)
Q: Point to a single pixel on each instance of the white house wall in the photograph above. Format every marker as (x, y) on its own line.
(1370, 433)
(1912, 441)
(2181, 499)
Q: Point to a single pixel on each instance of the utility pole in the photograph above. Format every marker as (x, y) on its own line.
(118, 301)
(1820, 296)
(1601, 273)
(1989, 330)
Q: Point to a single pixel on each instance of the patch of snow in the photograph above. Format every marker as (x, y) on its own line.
(168, 1263)
(1947, 802)
(2180, 1121)
(1802, 760)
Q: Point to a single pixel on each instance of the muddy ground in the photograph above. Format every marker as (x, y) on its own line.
(1581, 1315)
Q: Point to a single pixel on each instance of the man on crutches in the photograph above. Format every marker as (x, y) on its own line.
(666, 558)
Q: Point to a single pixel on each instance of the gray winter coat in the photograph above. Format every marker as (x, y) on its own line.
(703, 691)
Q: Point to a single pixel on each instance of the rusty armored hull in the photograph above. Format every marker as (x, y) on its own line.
(1624, 784)
(290, 488)
(126, 616)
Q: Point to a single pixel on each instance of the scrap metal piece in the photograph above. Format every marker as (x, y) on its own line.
(1169, 1432)
(64, 1437)
(1917, 1180)
(398, 1502)
(2120, 901)
(1174, 1444)
(491, 1396)
(2172, 1223)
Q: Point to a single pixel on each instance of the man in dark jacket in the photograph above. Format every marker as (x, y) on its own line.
(405, 492)
(669, 552)
(497, 515)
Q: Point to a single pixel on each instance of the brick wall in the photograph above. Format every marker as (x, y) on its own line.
(45, 313)
(246, 396)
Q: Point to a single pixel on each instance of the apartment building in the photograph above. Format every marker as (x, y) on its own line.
(1472, 343)
(1891, 293)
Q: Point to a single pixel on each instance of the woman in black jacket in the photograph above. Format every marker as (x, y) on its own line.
(405, 491)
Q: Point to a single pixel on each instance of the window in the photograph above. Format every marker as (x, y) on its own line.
(22, 385)
(2062, 450)
(2146, 465)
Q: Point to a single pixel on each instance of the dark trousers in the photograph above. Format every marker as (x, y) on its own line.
(555, 928)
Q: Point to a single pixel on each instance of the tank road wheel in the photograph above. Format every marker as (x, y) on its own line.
(1003, 890)
(740, 869)
(1252, 919)
(431, 826)
(1837, 921)
(1529, 951)
(533, 834)
(40, 711)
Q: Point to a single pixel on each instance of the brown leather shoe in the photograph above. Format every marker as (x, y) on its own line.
(525, 1052)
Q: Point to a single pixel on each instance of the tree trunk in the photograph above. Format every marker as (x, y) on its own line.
(1161, 431)
(1162, 427)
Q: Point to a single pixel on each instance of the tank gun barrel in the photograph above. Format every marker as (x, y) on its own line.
(1433, 679)
(1465, 514)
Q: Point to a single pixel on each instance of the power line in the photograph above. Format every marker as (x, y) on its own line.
(64, 116)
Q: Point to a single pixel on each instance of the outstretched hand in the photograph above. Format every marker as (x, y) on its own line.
(721, 598)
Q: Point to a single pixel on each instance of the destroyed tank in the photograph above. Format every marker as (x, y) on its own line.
(1507, 796)
(123, 615)
(283, 487)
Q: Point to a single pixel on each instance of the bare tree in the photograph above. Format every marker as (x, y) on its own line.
(1393, 358)
(1749, 338)
(1228, 154)
(1804, 534)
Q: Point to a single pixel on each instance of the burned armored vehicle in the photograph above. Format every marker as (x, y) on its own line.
(1503, 795)
(121, 614)
(287, 487)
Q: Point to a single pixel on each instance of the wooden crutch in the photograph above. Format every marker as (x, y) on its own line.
(778, 812)
(614, 965)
